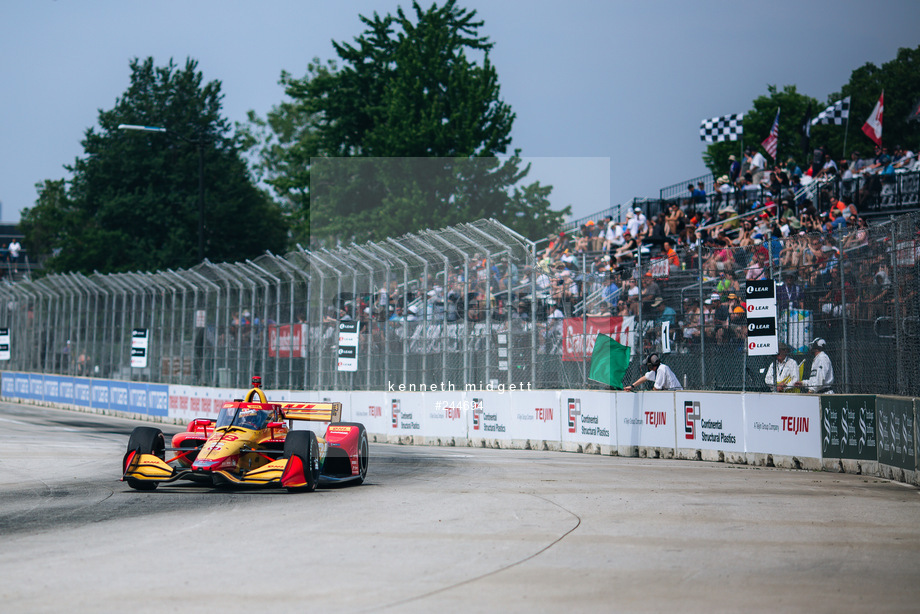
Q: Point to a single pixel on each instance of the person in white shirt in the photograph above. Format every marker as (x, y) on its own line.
(662, 376)
(14, 250)
(632, 224)
(787, 368)
(758, 164)
(821, 377)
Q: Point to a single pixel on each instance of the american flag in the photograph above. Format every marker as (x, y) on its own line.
(770, 142)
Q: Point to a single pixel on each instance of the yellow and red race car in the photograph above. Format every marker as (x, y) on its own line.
(251, 445)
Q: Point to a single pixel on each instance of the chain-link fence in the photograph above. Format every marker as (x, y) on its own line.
(477, 304)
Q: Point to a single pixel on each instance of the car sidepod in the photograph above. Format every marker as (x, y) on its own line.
(346, 453)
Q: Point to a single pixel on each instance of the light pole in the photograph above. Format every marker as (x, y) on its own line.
(199, 143)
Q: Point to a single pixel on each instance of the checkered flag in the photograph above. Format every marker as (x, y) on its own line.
(725, 128)
(835, 114)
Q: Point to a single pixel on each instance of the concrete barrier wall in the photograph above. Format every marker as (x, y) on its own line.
(861, 434)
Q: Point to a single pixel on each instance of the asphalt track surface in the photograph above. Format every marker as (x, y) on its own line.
(445, 529)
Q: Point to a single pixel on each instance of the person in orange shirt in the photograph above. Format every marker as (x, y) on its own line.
(671, 255)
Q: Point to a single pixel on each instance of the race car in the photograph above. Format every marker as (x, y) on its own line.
(251, 445)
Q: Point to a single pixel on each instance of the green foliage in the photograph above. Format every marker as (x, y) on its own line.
(133, 201)
(794, 108)
(406, 90)
(900, 80)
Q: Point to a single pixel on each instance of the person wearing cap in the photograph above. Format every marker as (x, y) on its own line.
(734, 169)
(625, 251)
(662, 376)
(664, 313)
(640, 217)
(787, 368)
(821, 377)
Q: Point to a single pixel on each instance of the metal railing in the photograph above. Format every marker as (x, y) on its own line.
(476, 304)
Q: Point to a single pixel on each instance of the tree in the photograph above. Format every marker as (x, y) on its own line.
(794, 109)
(900, 80)
(133, 201)
(406, 93)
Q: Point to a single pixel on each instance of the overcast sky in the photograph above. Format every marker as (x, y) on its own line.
(608, 95)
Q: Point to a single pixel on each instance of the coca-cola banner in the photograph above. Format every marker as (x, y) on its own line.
(287, 341)
(578, 341)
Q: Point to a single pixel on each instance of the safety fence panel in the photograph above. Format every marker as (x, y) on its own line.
(476, 304)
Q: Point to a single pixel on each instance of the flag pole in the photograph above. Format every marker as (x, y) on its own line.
(846, 130)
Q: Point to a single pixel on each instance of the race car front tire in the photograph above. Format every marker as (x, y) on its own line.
(146, 440)
(302, 447)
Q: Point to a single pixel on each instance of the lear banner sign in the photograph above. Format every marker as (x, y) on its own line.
(4, 344)
(848, 428)
(348, 346)
(139, 348)
(761, 317)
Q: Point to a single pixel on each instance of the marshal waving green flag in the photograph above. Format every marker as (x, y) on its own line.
(609, 362)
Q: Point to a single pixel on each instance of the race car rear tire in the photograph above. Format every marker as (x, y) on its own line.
(303, 444)
(146, 440)
(363, 450)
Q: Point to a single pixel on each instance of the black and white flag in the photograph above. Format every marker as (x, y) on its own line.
(724, 128)
(836, 114)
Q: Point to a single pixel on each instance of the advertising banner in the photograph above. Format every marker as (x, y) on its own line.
(896, 444)
(789, 425)
(139, 340)
(645, 419)
(348, 346)
(848, 427)
(445, 414)
(534, 415)
(118, 395)
(489, 416)
(710, 421)
(760, 296)
(287, 341)
(190, 402)
(406, 412)
(4, 344)
(371, 410)
(588, 417)
(100, 393)
(82, 392)
(578, 340)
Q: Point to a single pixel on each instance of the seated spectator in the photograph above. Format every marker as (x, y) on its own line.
(736, 330)
(673, 259)
(699, 195)
(727, 283)
(758, 267)
(611, 292)
(625, 252)
(691, 318)
(716, 327)
(675, 221)
(720, 260)
(650, 290)
(656, 234)
(663, 313)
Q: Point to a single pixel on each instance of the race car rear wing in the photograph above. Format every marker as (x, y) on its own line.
(316, 412)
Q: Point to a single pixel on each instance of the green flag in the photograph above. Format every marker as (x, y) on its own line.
(609, 362)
